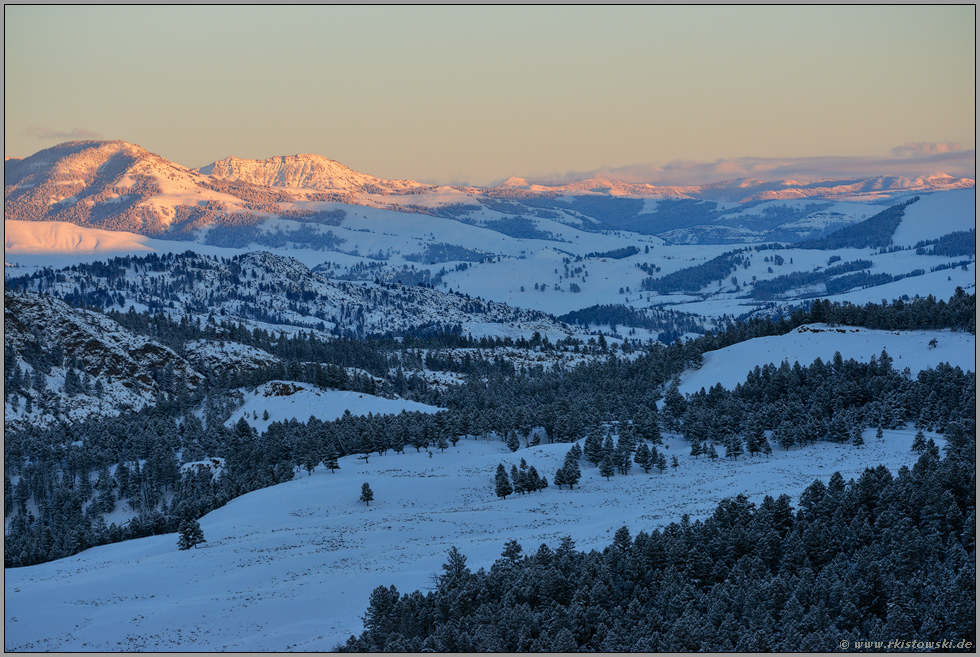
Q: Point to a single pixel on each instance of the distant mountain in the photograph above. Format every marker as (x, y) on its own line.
(112, 185)
(307, 172)
(741, 190)
(118, 186)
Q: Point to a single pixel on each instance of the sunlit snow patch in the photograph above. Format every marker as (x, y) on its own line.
(284, 400)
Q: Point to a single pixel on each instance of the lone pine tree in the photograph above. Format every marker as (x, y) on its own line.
(190, 534)
(366, 493)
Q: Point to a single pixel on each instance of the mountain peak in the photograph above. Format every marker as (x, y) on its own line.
(304, 170)
(515, 183)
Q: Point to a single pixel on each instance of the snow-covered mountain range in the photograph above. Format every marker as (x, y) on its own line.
(120, 186)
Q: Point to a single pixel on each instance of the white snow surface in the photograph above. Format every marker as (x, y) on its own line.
(290, 567)
(935, 215)
(731, 365)
(285, 400)
(46, 237)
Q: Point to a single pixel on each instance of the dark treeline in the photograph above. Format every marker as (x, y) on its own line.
(833, 401)
(960, 243)
(694, 278)
(882, 558)
(670, 323)
(920, 314)
(768, 289)
(520, 227)
(238, 237)
(875, 231)
(443, 252)
(615, 254)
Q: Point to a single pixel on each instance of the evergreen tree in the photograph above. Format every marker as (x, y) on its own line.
(674, 406)
(502, 484)
(190, 534)
(607, 467)
(534, 481)
(858, 437)
(623, 457)
(366, 494)
(643, 457)
(571, 472)
(647, 424)
(733, 446)
(518, 479)
(8, 495)
(560, 477)
(593, 448)
(838, 427)
(919, 442)
(40, 381)
(785, 435)
(73, 384)
(608, 446)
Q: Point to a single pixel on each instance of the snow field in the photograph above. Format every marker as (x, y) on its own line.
(44, 237)
(935, 215)
(291, 567)
(731, 365)
(286, 400)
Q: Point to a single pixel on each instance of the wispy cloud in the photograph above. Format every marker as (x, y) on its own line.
(925, 148)
(50, 134)
(911, 160)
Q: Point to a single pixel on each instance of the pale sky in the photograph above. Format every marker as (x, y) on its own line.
(474, 95)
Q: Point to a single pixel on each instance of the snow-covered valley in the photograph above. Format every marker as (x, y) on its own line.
(290, 567)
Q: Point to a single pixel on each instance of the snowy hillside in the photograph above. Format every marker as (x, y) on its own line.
(911, 349)
(268, 290)
(291, 567)
(48, 237)
(287, 400)
(938, 214)
(83, 363)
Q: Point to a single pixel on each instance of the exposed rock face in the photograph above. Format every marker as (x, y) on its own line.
(55, 337)
(227, 357)
(307, 172)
